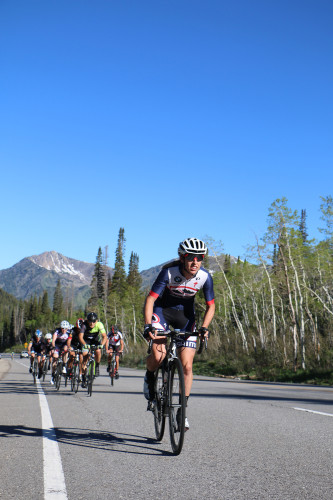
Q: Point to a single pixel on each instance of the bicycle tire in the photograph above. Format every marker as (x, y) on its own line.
(66, 375)
(73, 376)
(177, 406)
(76, 378)
(91, 370)
(44, 369)
(112, 369)
(159, 409)
(58, 376)
(35, 370)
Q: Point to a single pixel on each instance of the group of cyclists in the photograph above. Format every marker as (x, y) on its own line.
(170, 302)
(68, 339)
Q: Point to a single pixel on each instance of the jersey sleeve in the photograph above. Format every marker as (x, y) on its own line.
(159, 284)
(208, 290)
(101, 328)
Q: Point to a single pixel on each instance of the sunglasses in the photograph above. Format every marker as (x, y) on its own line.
(191, 256)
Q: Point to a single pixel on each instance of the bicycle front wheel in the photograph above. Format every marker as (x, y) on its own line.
(177, 406)
(58, 376)
(44, 369)
(76, 378)
(112, 370)
(159, 409)
(73, 377)
(35, 370)
(91, 371)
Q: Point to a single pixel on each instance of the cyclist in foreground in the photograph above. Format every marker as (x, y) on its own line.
(115, 344)
(92, 332)
(171, 303)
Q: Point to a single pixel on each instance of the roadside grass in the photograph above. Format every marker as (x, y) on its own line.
(244, 368)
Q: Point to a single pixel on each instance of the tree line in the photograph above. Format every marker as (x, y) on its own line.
(273, 309)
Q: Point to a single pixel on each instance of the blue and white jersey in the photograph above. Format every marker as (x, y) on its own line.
(172, 289)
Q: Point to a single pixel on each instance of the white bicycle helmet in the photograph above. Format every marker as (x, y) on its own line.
(48, 336)
(192, 245)
(64, 324)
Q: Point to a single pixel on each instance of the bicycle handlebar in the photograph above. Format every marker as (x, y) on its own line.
(178, 333)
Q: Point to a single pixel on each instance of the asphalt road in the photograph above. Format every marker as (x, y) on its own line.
(246, 441)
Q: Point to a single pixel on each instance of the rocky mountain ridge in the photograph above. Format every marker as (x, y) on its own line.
(32, 275)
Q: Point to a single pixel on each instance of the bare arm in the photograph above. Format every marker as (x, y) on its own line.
(209, 314)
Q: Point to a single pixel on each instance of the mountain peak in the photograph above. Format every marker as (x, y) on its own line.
(55, 261)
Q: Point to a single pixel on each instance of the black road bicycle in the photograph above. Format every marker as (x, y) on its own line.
(91, 367)
(58, 373)
(113, 366)
(35, 369)
(75, 379)
(170, 400)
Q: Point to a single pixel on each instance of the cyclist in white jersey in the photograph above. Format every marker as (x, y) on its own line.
(115, 344)
(171, 302)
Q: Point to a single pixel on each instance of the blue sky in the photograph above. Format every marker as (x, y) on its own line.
(168, 118)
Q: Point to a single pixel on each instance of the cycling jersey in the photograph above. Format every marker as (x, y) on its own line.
(174, 303)
(48, 347)
(114, 339)
(61, 338)
(92, 335)
(37, 346)
(172, 289)
(74, 335)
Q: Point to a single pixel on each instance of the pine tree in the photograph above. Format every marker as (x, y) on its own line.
(133, 278)
(99, 274)
(227, 264)
(45, 308)
(58, 300)
(302, 226)
(119, 276)
(12, 329)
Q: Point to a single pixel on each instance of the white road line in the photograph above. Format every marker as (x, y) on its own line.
(312, 411)
(54, 479)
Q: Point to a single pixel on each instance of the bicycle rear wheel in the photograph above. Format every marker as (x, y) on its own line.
(159, 409)
(177, 406)
(90, 374)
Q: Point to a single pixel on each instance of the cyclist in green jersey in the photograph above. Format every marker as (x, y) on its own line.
(92, 332)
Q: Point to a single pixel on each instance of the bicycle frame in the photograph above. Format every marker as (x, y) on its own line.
(170, 399)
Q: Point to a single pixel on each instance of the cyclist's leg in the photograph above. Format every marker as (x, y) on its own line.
(32, 357)
(186, 356)
(98, 356)
(55, 360)
(71, 357)
(155, 358)
(117, 361)
(40, 364)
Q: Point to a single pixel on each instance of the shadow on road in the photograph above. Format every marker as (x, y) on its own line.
(89, 438)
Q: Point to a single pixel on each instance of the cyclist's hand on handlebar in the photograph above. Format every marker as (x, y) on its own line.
(148, 332)
(204, 332)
